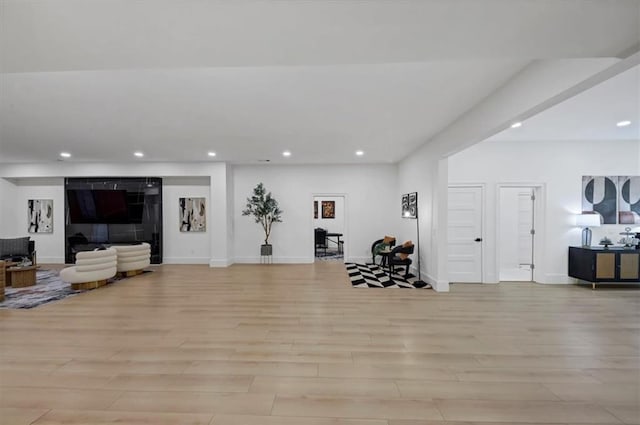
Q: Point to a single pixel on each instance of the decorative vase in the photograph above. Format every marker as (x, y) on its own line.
(266, 249)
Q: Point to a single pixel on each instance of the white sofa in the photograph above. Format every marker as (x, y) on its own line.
(132, 259)
(92, 269)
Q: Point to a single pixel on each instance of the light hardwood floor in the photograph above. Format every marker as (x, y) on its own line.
(297, 345)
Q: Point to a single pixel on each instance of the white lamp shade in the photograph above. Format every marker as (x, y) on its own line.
(588, 220)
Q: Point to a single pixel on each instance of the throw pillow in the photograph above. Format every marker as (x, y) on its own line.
(388, 239)
(402, 255)
(14, 247)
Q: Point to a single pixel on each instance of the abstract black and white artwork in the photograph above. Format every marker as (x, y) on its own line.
(410, 205)
(40, 215)
(193, 215)
(629, 199)
(600, 195)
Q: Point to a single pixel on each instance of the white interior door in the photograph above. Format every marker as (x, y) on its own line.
(516, 233)
(465, 234)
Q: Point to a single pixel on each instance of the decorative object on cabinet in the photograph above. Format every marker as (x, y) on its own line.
(587, 221)
(629, 239)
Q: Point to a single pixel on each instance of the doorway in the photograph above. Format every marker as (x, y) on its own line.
(329, 227)
(464, 230)
(516, 233)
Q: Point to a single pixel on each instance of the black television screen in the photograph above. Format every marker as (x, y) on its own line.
(104, 206)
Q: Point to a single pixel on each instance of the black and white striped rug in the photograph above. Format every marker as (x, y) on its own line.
(373, 276)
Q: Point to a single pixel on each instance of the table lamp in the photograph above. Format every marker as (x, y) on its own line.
(586, 221)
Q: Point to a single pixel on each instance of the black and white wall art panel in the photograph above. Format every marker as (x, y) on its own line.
(40, 215)
(193, 216)
(629, 200)
(600, 195)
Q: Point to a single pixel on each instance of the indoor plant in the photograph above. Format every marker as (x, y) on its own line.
(264, 209)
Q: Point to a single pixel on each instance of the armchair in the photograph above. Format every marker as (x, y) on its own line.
(399, 256)
(320, 240)
(379, 245)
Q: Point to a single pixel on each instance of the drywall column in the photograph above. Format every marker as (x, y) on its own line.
(8, 209)
(220, 214)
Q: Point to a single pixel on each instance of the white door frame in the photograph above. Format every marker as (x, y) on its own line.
(539, 225)
(483, 209)
(345, 247)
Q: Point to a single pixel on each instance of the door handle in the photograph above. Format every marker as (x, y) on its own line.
(478, 240)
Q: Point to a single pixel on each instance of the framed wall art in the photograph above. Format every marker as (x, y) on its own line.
(40, 215)
(629, 199)
(410, 205)
(328, 209)
(193, 215)
(600, 195)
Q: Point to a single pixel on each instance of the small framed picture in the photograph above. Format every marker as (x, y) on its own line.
(328, 209)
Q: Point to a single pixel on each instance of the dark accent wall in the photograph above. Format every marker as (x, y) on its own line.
(142, 192)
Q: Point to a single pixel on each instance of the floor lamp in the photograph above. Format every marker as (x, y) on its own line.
(410, 210)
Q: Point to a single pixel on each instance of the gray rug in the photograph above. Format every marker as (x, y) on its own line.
(48, 288)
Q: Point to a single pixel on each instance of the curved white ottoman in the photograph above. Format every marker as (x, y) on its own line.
(132, 259)
(92, 269)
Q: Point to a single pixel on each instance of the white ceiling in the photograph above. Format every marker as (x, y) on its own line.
(249, 79)
(590, 115)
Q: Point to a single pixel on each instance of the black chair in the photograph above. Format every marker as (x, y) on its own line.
(395, 259)
(374, 251)
(320, 240)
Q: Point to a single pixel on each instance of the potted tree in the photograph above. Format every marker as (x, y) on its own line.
(264, 209)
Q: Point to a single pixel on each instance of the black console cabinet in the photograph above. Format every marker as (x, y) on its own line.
(604, 265)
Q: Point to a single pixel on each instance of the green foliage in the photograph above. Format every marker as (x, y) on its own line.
(264, 209)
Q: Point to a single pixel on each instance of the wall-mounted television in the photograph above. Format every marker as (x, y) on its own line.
(104, 206)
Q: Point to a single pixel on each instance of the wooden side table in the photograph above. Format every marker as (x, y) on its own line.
(19, 277)
(5, 272)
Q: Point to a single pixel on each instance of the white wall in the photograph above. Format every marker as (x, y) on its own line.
(184, 247)
(369, 191)
(333, 225)
(49, 246)
(46, 181)
(559, 167)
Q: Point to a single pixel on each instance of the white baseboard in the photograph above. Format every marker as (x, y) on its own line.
(185, 260)
(275, 260)
(437, 285)
(224, 262)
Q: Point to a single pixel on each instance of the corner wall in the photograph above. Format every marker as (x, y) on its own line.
(559, 166)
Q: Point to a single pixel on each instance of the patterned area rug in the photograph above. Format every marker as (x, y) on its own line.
(48, 288)
(373, 276)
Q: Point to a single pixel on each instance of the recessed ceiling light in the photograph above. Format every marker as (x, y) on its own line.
(65, 154)
(286, 153)
(138, 154)
(623, 123)
(359, 153)
(516, 124)
(211, 153)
